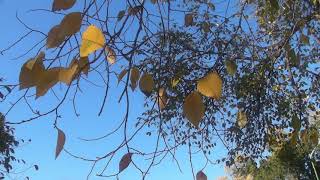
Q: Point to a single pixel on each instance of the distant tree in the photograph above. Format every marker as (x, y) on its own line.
(243, 74)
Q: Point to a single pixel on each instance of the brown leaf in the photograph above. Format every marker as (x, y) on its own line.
(48, 79)
(60, 142)
(110, 55)
(146, 84)
(121, 75)
(193, 108)
(162, 99)
(201, 176)
(71, 23)
(188, 19)
(125, 161)
(62, 4)
(84, 65)
(134, 77)
(55, 37)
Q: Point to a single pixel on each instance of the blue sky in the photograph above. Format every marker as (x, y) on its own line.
(88, 125)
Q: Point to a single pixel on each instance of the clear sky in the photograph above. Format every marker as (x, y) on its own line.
(88, 125)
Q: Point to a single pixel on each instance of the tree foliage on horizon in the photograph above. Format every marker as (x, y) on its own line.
(243, 74)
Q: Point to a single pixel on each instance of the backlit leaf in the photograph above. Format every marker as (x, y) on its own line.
(62, 4)
(71, 24)
(55, 37)
(241, 119)
(125, 161)
(201, 176)
(46, 81)
(66, 75)
(92, 40)
(146, 84)
(110, 55)
(60, 142)
(134, 78)
(231, 67)
(162, 99)
(188, 20)
(210, 85)
(121, 75)
(193, 108)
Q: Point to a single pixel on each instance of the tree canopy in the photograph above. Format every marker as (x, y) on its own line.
(244, 74)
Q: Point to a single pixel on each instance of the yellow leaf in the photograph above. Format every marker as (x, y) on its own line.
(175, 82)
(146, 84)
(134, 77)
(193, 108)
(241, 119)
(62, 4)
(188, 20)
(84, 65)
(92, 40)
(210, 85)
(48, 79)
(121, 75)
(110, 55)
(66, 75)
(55, 37)
(162, 99)
(31, 71)
(71, 24)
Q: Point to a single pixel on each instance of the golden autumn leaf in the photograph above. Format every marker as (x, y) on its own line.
(66, 75)
(146, 84)
(62, 4)
(55, 37)
(31, 71)
(210, 85)
(134, 78)
(241, 119)
(193, 108)
(71, 24)
(46, 81)
(162, 99)
(110, 55)
(92, 40)
(60, 142)
(121, 75)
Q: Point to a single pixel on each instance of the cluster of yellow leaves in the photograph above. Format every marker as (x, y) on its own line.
(209, 86)
(33, 73)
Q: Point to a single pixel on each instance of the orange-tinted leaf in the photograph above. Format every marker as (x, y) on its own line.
(60, 142)
(71, 24)
(125, 161)
(62, 4)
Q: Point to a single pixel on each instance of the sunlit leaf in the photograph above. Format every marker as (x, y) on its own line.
(92, 40)
(241, 119)
(60, 142)
(71, 24)
(210, 85)
(134, 77)
(125, 161)
(162, 99)
(66, 75)
(193, 108)
(201, 176)
(146, 84)
(62, 4)
(55, 37)
(110, 55)
(121, 75)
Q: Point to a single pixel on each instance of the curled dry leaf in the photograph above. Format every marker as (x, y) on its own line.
(60, 142)
(201, 176)
(71, 24)
(92, 40)
(121, 75)
(193, 108)
(210, 85)
(62, 4)
(134, 77)
(125, 161)
(55, 37)
(162, 99)
(146, 84)
(110, 55)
